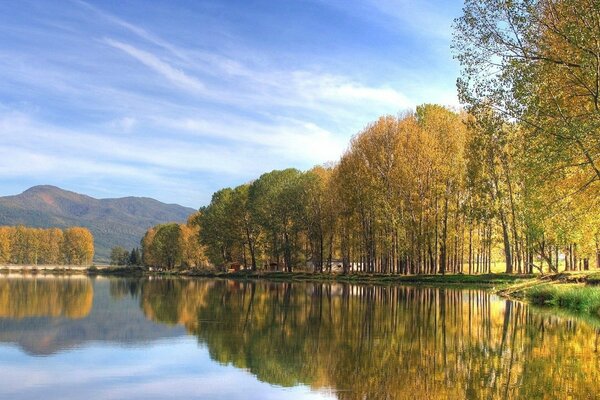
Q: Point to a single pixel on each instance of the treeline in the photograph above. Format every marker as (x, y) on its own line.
(173, 245)
(432, 191)
(36, 246)
(514, 176)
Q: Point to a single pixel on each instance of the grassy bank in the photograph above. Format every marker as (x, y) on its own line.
(488, 280)
(574, 297)
(578, 292)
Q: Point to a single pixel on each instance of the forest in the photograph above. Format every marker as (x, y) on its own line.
(513, 177)
(22, 245)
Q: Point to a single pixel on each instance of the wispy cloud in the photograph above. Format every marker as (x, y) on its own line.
(427, 17)
(174, 75)
(135, 29)
(113, 97)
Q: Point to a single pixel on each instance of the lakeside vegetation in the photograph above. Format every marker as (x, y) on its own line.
(173, 246)
(514, 176)
(576, 292)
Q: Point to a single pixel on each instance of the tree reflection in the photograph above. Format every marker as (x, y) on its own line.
(69, 297)
(383, 342)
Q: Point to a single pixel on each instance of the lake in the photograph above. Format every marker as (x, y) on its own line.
(157, 338)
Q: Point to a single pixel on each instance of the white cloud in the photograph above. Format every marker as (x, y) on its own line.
(206, 118)
(166, 153)
(342, 90)
(125, 124)
(135, 29)
(176, 76)
(286, 139)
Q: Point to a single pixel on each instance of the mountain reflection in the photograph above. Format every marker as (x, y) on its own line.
(383, 342)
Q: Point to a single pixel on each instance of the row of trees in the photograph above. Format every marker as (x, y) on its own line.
(35, 246)
(432, 191)
(173, 245)
(531, 77)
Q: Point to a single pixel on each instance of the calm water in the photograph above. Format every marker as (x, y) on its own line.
(175, 338)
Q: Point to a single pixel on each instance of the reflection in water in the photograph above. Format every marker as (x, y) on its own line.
(384, 342)
(374, 342)
(48, 314)
(22, 297)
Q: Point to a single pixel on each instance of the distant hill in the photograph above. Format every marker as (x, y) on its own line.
(114, 222)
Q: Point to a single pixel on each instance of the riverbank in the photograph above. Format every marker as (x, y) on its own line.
(574, 291)
(458, 279)
(488, 280)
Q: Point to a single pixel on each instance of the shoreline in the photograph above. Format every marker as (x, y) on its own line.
(486, 280)
(577, 292)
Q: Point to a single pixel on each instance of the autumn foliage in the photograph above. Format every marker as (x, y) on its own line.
(431, 191)
(36, 246)
(173, 246)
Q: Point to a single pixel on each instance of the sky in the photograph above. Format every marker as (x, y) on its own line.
(176, 99)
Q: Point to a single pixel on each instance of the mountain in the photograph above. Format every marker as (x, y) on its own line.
(114, 222)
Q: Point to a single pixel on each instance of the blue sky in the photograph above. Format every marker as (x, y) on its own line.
(176, 99)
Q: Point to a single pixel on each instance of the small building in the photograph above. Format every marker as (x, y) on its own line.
(235, 267)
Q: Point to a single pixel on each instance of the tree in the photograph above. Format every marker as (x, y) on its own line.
(276, 200)
(535, 62)
(172, 246)
(53, 246)
(149, 256)
(50, 242)
(135, 257)
(78, 246)
(5, 244)
(119, 256)
(218, 228)
(168, 245)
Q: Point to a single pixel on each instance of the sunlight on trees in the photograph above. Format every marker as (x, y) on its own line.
(432, 191)
(36, 246)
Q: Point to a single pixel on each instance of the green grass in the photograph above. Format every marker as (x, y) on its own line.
(575, 297)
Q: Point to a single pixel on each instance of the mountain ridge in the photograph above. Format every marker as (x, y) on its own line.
(113, 221)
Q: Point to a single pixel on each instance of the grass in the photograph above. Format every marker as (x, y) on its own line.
(575, 297)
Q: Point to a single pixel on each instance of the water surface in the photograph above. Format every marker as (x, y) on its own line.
(147, 338)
